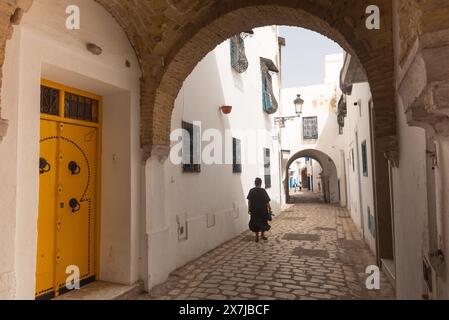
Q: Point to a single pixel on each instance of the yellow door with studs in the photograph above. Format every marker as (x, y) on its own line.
(68, 170)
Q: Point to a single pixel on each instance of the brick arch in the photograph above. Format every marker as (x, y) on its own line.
(171, 36)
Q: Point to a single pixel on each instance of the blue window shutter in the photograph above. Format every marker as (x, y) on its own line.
(266, 94)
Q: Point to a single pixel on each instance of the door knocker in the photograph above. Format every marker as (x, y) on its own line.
(75, 205)
(74, 168)
(44, 166)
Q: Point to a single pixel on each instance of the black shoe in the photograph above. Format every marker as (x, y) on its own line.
(264, 238)
(257, 239)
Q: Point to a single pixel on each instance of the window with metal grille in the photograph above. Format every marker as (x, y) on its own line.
(80, 108)
(267, 167)
(191, 148)
(238, 56)
(49, 101)
(364, 159)
(310, 128)
(236, 156)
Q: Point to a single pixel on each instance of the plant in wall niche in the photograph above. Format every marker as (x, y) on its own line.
(226, 109)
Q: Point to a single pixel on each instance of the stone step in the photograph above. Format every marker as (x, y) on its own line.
(101, 290)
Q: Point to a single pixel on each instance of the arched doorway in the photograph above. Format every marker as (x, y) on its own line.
(329, 176)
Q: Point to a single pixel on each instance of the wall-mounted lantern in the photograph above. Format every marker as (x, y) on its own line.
(226, 109)
(299, 103)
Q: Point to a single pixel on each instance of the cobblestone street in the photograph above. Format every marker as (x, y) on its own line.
(314, 251)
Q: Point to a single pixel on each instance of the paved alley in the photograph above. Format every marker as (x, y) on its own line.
(314, 252)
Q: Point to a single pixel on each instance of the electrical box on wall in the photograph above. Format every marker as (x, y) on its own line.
(235, 210)
(182, 227)
(210, 220)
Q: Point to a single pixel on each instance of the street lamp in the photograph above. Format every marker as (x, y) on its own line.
(299, 103)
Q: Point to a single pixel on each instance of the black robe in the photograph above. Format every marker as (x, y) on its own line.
(258, 200)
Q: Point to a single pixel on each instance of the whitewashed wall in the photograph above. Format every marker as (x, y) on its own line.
(216, 193)
(410, 209)
(42, 47)
(360, 188)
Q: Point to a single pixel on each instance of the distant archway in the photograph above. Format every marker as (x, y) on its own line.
(329, 176)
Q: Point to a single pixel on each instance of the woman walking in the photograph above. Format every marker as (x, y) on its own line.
(260, 210)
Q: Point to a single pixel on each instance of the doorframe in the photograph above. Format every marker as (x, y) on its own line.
(98, 125)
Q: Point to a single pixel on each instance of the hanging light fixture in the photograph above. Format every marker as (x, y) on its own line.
(299, 103)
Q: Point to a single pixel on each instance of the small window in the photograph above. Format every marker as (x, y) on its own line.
(80, 108)
(364, 159)
(49, 101)
(238, 57)
(267, 168)
(310, 128)
(236, 156)
(191, 148)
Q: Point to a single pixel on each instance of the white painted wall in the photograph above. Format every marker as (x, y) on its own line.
(410, 209)
(358, 122)
(42, 47)
(216, 192)
(8, 170)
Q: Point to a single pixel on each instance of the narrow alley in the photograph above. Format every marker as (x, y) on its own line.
(135, 137)
(314, 252)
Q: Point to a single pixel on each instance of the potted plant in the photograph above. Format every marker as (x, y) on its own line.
(226, 109)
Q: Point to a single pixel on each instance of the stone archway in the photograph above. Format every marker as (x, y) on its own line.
(329, 176)
(170, 37)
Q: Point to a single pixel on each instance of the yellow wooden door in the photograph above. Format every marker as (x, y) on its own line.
(77, 202)
(66, 227)
(48, 175)
(69, 170)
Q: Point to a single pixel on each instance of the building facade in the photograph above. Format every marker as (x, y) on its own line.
(210, 201)
(90, 201)
(139, 75)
